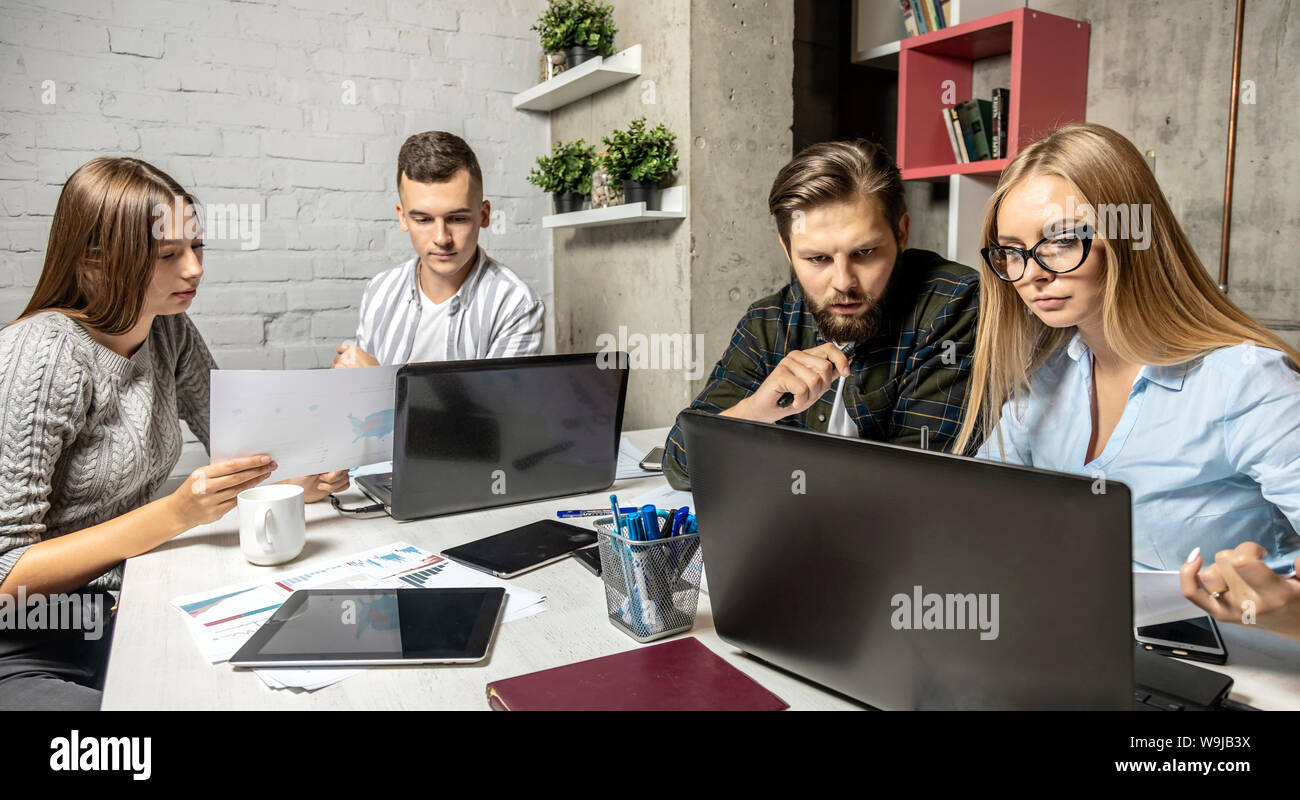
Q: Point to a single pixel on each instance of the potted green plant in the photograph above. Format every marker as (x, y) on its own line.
(583, 29)
(641, 159)
(566, 174)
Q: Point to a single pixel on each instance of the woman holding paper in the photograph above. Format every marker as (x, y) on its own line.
(93, 378)
(1104, 349)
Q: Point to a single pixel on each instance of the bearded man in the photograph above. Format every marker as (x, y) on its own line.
(910, 316)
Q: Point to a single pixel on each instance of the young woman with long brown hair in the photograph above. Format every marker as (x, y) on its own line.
(94, 377)
(1104, 349)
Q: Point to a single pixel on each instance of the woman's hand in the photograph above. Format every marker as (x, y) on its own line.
(209, 492)
(322, 485)
(1239, 587)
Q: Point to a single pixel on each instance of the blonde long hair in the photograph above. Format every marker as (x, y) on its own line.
(1160, 306)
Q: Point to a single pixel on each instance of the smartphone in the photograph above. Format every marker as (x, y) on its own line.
(1197, 639)
(654, 460)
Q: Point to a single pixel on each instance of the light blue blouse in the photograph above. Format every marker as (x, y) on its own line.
(1210, 448)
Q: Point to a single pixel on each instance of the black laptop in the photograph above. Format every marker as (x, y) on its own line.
(917, 580)
(476, 434)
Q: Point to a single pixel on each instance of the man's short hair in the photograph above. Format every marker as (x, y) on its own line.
(836, 172)
(435, 156)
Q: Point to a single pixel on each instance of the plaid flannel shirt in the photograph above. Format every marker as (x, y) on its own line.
(905, 383)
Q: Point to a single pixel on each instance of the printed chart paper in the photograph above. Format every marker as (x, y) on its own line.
(308, 420)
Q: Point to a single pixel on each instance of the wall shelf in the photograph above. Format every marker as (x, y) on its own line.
(1049, 83)
(672, 204)
(989, 166)
(884, 56)
(583, 80)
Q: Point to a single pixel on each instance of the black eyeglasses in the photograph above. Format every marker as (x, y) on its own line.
(1062, 253)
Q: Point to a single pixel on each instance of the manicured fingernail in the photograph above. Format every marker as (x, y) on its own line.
(265, 459)
(1192, 556)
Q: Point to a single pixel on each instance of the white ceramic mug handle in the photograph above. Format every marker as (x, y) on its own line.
(262, 523)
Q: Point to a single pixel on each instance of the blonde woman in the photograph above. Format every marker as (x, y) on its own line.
(93, 379)
(1105, 350)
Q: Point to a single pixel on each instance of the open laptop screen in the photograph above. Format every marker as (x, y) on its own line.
(475, 434)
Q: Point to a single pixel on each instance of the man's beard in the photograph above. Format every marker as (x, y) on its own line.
(836, 327)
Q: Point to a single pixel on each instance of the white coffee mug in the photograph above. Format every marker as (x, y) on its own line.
(272, 523)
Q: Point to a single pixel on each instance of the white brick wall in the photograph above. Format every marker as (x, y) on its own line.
(243, 103)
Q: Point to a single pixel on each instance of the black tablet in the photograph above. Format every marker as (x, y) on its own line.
(521, 549)
(352, 627)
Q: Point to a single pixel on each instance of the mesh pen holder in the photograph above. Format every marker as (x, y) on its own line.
(651, 588)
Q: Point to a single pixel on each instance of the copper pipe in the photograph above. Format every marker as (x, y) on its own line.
(1232, 147)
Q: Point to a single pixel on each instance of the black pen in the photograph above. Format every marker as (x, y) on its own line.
(788, 398)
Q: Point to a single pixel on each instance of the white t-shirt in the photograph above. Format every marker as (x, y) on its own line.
(841, 423)
(431, 337)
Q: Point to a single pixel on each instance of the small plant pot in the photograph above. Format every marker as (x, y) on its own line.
(638, 192)
(566, 202)
(573, 56)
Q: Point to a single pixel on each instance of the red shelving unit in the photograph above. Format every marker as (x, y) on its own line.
(1049, 85)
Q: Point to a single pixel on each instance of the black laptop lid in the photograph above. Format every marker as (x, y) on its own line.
(491, 432)
(815, 546)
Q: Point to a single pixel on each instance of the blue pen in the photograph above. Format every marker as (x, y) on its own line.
(649, 518)
(618, 520)
(679, 520)
(592, 512)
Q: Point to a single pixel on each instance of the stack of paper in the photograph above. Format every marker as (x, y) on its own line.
(223, 619)
(629, 462)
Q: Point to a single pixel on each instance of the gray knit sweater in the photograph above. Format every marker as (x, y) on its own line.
(85, 434)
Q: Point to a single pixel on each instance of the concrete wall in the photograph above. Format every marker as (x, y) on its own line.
(718, 75)
(248, 103)
(634, 275)
(1161, 74)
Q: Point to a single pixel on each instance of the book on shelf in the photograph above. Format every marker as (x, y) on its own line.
(955, 131)
(952, 136)
(909, 23)
(978, 121)
(999, 126)
(918, 16)
(930, 21)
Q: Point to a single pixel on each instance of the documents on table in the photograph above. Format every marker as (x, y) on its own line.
(666, 497)
(308, 420)
(1157, 598)
(221, 620)
(629, 462)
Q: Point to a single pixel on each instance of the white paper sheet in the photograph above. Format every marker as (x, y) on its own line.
(664, 497)
(1157, 599)
(308, 420)
(629, 462)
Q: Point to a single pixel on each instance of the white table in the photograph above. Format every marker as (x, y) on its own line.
(155, 663)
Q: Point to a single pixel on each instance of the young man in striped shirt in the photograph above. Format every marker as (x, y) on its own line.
(910, 314)
(451, 301)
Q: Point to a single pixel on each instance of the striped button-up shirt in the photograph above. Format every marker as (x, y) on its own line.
(494, 314)
(907, 383)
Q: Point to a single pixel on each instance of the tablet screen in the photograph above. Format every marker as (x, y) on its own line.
(376, 626)
(507, 554)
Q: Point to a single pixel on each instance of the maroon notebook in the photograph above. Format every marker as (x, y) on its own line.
(681, 675)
